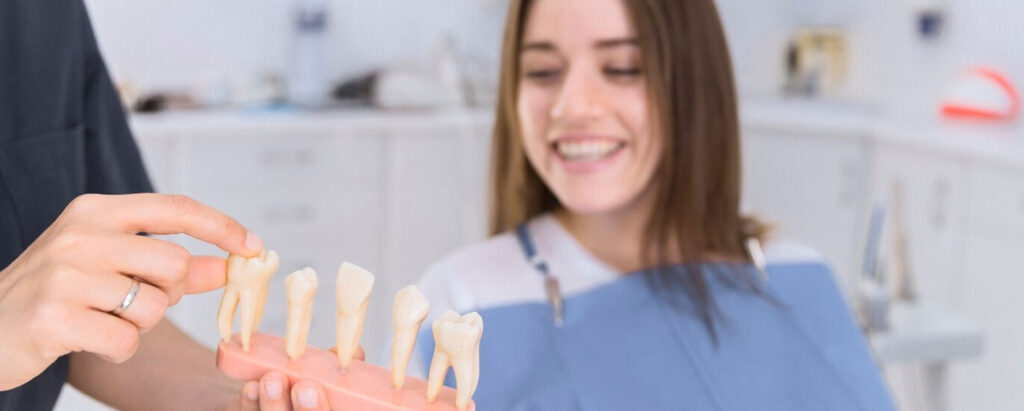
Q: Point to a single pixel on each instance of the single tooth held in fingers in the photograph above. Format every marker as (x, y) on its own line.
(301, 288)
(411, 307)
(248, 281)
(354, 285)
(456, 344)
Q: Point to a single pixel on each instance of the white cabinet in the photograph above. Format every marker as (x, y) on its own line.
(992, 290)
(993, 295)
(933, 189)
(810, 186)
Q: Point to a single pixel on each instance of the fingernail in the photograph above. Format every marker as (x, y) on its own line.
(252, 392)
(273, 389)
(308, 397)
(253, 242)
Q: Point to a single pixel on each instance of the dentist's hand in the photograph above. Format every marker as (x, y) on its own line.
(56, 297)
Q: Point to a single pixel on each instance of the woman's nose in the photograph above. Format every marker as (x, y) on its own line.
(578, 98)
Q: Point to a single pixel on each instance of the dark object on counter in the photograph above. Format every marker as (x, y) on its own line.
(150, 104)
(358, 89)
(157, 102)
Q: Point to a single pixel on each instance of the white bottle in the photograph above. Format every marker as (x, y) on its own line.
(307, 81)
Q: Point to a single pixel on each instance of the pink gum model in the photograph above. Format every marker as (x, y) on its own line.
(361, 387)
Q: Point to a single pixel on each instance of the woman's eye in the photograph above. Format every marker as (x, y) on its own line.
(541, 74)
(622, 71)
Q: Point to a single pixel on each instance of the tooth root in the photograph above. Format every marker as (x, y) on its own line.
(247, 307)
(226, 313)
(246, 290)
(300, 288)
(401, 351)
(411, 307)
(456, 344)
(438, 369)
(464, 379)
(354, 285)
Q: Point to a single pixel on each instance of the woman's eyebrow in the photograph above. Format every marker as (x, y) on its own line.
(537, 45)
(616, 42)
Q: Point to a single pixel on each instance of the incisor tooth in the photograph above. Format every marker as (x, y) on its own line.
(354, 285)
(411, 307)
(456, 344)
(248, 281)
(300, 287)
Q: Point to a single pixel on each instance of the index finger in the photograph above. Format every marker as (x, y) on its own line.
(180, 214)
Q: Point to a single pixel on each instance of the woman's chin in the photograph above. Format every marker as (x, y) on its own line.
(591, 202)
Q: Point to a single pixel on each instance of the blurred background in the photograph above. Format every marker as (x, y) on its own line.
(883, 133)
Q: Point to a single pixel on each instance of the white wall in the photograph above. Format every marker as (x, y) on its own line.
(185, 42)
(892, 69)
(181, 42)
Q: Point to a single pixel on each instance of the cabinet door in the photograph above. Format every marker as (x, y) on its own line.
(993, 295)
(932, 191)
(809, 186)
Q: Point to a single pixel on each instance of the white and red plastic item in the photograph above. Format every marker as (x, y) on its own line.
(982, 93)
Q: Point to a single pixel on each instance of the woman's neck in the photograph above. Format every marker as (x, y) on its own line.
(616, 238)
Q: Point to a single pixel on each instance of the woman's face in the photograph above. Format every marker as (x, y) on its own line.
(583, 106)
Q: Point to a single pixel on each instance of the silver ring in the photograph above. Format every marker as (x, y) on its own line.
(128, 298)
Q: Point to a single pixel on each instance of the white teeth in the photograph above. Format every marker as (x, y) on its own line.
(411, 307)
(456, 343)
(300, 287)
(354, 285)
(586, 150)
(248, 281)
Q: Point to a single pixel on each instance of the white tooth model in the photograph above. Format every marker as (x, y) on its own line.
(411, 307)
(300, 287)
(456, 344)
(354, 285)
(248, 281)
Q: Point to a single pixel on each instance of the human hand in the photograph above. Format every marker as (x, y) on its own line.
(57, 296)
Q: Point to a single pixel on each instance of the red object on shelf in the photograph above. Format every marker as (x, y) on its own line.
(361, 387)
(982, 93)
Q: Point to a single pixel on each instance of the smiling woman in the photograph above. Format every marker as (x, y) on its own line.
(640, 122)
(621, 274)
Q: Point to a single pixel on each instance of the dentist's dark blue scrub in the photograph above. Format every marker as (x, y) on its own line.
(62, 133)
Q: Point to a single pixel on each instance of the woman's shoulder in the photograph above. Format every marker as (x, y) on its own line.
(487, 273)
(784, 251)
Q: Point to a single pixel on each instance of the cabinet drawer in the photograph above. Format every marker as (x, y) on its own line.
(313, 161)
(997, 199)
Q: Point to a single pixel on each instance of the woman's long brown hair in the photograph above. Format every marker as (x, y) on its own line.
(697, 183)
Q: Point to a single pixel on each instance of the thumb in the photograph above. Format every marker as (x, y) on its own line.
(206, 273)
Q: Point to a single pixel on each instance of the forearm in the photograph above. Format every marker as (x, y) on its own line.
(169, 371)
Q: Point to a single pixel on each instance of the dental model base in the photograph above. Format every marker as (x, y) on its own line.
(350, 384)
(360, 386)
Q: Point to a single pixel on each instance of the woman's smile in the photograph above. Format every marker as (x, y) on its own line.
(586, 153)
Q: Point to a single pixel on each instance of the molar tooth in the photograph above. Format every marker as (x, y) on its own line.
(411, 307)
(456, 344)
(300, 287)
(354, 285)
(248, 281)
